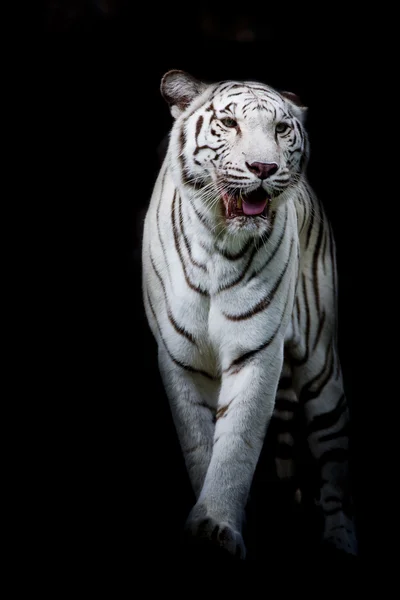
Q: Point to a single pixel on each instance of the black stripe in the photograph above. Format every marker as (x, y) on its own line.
(178, 328)
(341, 433)
(335, 294)
(278, 244)
(242, 178)
(188, 247)
(184, 170)
(301, 361)
(221, 87)
(297, 302)
(234, 168)
(228, 107)
(251, 353)
(333, 258)
(308, 317)
(334, 455)
(328, 419)
(317, 250)
(284, 404)
(158, 223)
(280, 426)
(310, 227)
(320, 328)
(206, 147)
(324, 252)
(285, 383)
(266, 91)
(237, 256)
(221, 412)
(202, 218)
(307, 394)
(174, 360)
(241, 276)
(192, 286)
(199, 124)
(305, 210)
(265, 302)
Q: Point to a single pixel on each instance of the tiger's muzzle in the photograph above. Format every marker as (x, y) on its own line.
(254, 204)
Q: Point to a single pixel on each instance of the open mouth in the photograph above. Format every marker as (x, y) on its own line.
(254, 204)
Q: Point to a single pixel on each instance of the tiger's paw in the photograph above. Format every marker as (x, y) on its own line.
(339, 532)
(204, 529)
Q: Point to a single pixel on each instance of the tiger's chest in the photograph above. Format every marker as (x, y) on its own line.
(236, 314)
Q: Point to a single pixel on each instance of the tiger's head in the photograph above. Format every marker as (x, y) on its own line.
(237, 147)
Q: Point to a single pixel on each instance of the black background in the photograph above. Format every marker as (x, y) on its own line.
(99, 119)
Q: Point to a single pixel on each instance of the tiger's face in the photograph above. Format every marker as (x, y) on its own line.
(238, 146)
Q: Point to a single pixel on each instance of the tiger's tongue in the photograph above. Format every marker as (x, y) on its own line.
(253, 208)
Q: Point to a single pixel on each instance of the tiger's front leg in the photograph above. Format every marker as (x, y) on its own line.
(190, 398)
(244, 410)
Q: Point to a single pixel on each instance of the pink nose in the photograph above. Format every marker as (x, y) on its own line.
(262, 170)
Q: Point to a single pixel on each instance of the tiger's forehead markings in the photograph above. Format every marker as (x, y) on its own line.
(258, 104)
(223, 86)
(273, 100)
(243, 88)
(266, 99)
(254, 96)
(269, 93)
(234, 94)
(253, 104)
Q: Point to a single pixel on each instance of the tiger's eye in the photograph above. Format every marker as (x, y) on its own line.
(228, 122)
(282, 127)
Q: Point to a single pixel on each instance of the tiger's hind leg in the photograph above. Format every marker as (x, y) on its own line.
(283, 427)
(318, 383)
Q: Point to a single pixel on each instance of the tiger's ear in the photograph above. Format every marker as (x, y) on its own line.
(179, 89)
(298, 108)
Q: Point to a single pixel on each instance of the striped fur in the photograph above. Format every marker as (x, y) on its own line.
(241, 299)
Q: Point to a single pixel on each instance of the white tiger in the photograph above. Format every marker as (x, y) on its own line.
(239, 287)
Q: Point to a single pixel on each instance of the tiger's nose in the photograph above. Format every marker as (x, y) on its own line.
(262, 170)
